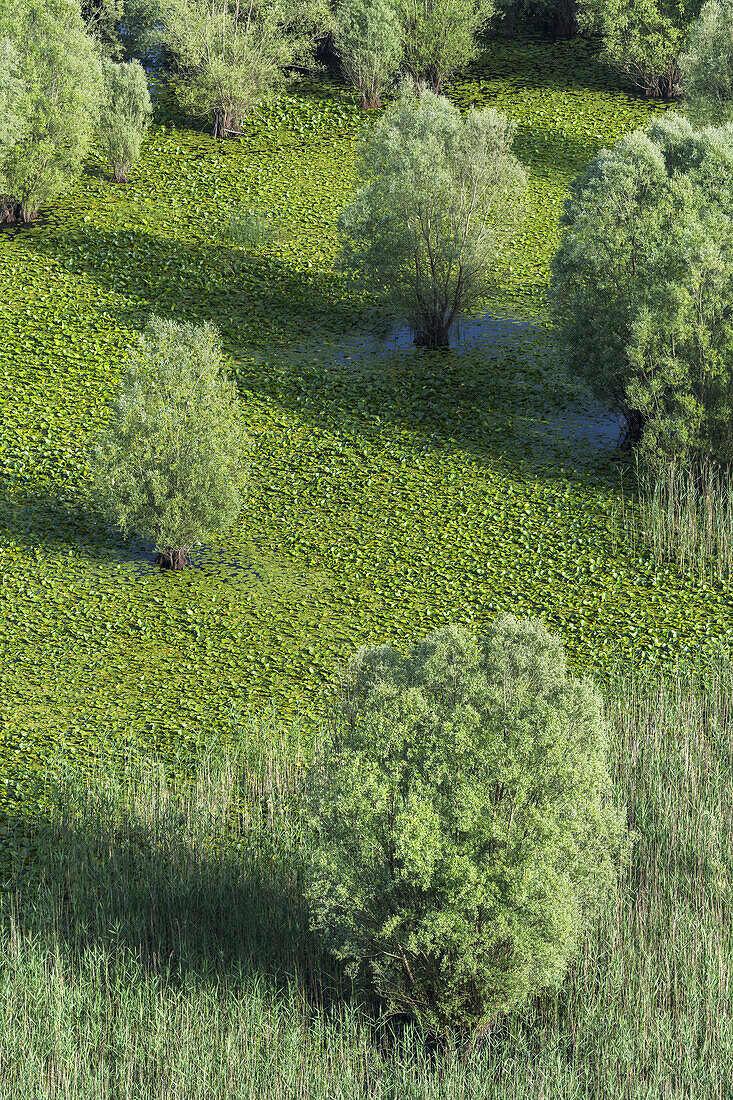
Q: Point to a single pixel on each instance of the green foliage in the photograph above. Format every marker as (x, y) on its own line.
(494, 510)
(369, 45)
(440, 194)
(463, 832)
(642, 38)
(231, 57)
(102, 18)
(60, 73)
(124, 114)
(439, 36)
(169, 466)
(11, 90)
(642, 283)
(707, 66)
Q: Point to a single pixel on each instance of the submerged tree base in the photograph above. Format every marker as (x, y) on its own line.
(11, 212)
(172, 559)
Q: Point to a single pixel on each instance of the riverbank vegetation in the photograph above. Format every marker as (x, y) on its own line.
(158, 725)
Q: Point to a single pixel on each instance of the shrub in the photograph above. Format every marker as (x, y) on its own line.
(124, 114)
(641, 286)
(463, 833)
(169, 464)
(440, 195)
(368, 41)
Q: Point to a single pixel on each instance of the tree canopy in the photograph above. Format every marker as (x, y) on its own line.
(53, 92)
(641, 286)
(440, 196)
(170, 463)
(464, 825)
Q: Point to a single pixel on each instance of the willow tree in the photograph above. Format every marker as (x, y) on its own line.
(465, 831)
(169, 464)
(231, 56)
(124, 114)
(440, 197)
(56, 85)
(368, 42)
(642, 39)
(440, 36)
(641, 286)
(707, 66)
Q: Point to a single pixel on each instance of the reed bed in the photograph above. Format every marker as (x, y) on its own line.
(160, 947)
(684, 514)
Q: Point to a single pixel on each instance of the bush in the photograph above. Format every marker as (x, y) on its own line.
(440, 195)
(169, 464)
(707, 66)
(463, 831)
(641, 286)
(56, 103)
(642, 38)
(440, 36)
(124, 114)
(368, 41)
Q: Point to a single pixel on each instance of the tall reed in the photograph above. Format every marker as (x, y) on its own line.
(684, 514)
(161, 948)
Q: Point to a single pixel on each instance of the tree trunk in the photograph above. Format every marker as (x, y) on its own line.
(566, 24)
(430, 332)
(635, 422)
(172, 558)
(370, 100)
(11, 212)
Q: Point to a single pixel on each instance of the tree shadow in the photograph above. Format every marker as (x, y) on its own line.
(188, 915)
(435, 393)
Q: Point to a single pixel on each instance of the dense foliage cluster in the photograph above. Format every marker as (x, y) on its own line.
(464, 832)
(124, 114)
(170, 465)
(50, 81)
(440, 194)
(642, 284)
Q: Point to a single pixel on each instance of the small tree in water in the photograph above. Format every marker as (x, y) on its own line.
(369, 44)
(440, 196)
(169, 465)
(124, 114)
(464, 829)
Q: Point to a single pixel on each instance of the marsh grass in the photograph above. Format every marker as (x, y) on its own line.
(684, 514)
(159, 944)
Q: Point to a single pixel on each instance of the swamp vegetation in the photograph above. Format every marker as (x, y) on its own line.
(393, 490)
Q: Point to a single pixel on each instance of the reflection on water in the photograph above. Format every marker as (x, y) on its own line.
(589, 424)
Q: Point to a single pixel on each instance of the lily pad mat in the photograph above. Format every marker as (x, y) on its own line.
(387, 497)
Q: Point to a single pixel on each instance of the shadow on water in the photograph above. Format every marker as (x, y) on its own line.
(596, 429)
(465, 334)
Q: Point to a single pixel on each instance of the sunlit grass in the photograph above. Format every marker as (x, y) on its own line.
(156, 942)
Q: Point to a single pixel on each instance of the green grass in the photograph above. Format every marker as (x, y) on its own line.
(162, 949)
(391, 495)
